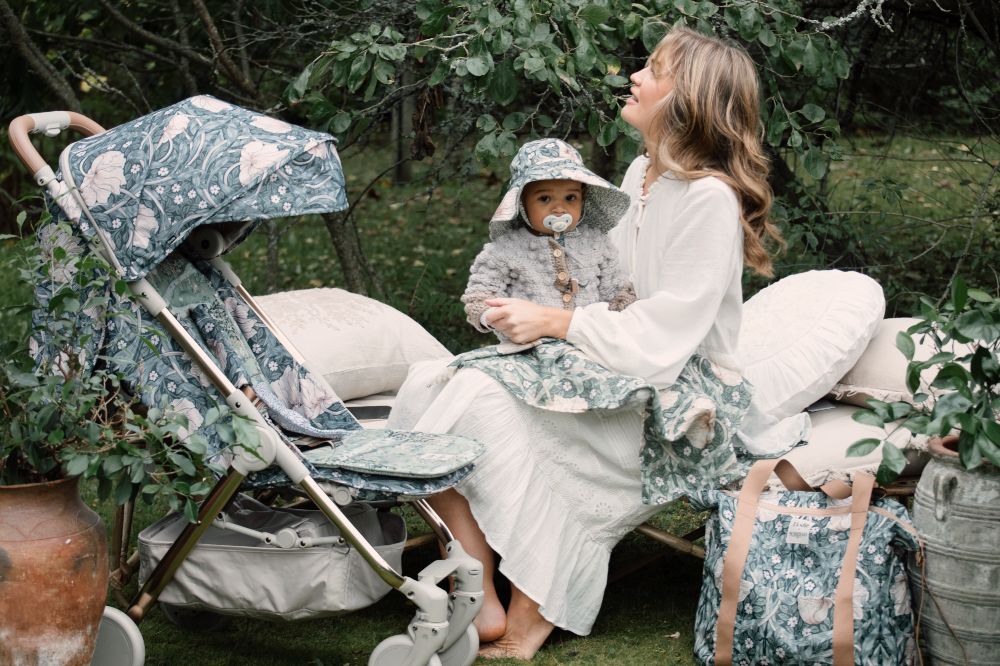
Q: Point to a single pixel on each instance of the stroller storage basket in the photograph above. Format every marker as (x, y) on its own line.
(236, 574)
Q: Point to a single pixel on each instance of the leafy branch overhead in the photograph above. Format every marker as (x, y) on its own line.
(560, 67)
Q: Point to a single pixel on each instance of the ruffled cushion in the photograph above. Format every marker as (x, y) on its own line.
(824, 456)
(880, 373)
(803, 333)
(359, 345)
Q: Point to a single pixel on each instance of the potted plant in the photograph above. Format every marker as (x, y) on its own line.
(956, 508)
(64, 417)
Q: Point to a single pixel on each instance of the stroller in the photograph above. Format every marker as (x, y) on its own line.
(160, 198)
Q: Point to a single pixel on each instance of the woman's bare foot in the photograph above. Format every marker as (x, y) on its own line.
(525, 634)
(491, 623)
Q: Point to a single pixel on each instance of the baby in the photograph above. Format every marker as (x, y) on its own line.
(549, 237)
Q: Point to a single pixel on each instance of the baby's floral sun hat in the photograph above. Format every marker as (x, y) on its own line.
(550, 159)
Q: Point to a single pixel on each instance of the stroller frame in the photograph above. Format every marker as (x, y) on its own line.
(441, 631)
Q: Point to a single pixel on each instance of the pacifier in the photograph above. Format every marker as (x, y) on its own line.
(558, 223)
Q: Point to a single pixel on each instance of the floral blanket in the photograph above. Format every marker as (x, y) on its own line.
(690, 428)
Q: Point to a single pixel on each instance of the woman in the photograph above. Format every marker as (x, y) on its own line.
(555, 492)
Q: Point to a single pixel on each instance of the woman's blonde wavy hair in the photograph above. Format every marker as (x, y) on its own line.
(709, 125)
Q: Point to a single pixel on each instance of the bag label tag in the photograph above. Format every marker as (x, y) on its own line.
(798, 530)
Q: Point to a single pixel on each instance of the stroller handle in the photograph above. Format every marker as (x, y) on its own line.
(51, 123)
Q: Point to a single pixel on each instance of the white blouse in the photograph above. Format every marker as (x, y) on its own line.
(682, 247)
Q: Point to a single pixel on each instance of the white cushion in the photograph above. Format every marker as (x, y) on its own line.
(802, 333)
(880, 373)
(359, 345)
(824, 456)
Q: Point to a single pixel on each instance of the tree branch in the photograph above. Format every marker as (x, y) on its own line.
(23, 44)
(192, 85)
(221, 52)
(153, 38)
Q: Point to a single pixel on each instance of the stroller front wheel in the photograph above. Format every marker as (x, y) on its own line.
(194, 619)
(395, 650)
(463, 651)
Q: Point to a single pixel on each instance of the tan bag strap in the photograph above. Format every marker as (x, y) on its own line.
(735, 558)
(843, 600)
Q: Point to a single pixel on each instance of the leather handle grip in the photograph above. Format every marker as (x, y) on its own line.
(50, 123)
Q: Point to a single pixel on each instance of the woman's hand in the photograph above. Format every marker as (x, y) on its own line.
(523, 321)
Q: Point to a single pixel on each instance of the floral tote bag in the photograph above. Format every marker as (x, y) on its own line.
(801, 576)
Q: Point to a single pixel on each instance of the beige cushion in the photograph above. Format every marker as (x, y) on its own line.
(359, 345)
(802, 333)
(880, 373)
(824, 457)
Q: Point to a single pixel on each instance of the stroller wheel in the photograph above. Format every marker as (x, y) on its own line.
(463, 651)
(119, 642)
(394, 651)
(195, 619)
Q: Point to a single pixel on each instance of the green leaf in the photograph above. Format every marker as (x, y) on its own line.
(978, 325)
(863, 447)
(439, 74)
(477, 65)
(632, 25)
(795, 139)
(298, 87)
(988, 447)
(486, 123)
(190, 511)
(652, 33)
(980, 296)
(904, 343)
(868, 417)
(358, 72)
(815, 162)
(991, 429)
(340, 122)
(607, 135)
(766, 37)
(812, 113)
(514, 121)
(77, 465)
(595, 14)
(486, 149)
(123, 492)
(182, 462)
(503, 84)
(893, 462)
(959, 293)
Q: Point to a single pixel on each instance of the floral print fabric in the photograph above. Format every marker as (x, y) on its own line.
(690, 429)
(785, 609)
(548, 159)
(148, 183)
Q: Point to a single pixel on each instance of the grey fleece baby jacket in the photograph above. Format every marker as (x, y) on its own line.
(581, 270)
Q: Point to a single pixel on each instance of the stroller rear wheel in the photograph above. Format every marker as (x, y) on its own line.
(195, 619)
(394, 651)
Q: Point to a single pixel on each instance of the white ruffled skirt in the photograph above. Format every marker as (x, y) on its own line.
(553, 493)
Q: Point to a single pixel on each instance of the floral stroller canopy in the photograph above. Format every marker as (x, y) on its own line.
(143, 188)
(147, 184)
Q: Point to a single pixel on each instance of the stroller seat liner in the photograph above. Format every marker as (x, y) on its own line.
(395, 453)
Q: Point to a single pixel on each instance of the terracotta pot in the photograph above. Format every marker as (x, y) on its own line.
(53, 575)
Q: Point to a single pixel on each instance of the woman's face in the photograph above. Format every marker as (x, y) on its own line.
(649, 86)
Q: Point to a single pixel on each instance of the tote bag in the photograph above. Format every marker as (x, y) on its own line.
(801, 576)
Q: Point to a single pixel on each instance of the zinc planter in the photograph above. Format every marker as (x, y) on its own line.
(957, 513)
(53, 575)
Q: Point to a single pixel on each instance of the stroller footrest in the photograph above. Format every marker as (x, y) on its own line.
(396, 453)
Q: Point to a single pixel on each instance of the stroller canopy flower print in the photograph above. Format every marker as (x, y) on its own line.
(149, 183)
